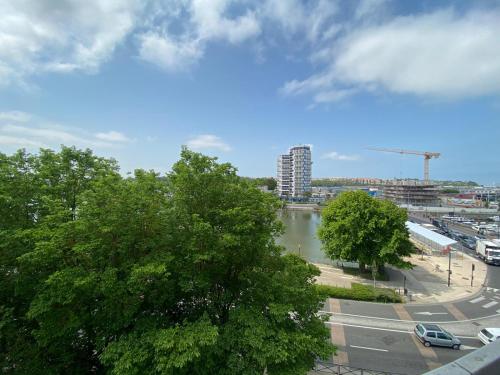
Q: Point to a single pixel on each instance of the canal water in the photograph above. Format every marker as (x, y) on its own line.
(301, 235)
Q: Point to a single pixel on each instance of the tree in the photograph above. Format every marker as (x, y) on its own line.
(153, 276)
(357, 227)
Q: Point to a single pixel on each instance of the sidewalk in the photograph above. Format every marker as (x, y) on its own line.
(427, 282)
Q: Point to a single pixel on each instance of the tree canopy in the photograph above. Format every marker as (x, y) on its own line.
(142, 275)
(357, 227)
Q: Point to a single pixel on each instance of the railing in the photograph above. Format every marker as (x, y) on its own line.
(338, 369)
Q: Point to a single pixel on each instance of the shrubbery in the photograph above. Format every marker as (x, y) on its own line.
(360, 292)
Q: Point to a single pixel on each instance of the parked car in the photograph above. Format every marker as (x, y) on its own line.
(432, 334)
(488, 335)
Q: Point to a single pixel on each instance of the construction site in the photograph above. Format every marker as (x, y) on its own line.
(412, 193)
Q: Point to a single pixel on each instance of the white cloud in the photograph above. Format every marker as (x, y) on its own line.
(38, 36)
(440, 55)
(207, 21)
(336, 156)
(208, 141)
(36, 132)
(7, 140)
(16, 116)
(208, 17)
(112, 136)
(169, 54)
(297, 17)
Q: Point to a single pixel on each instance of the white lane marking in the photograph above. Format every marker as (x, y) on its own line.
(389, 329)
(491, 289)
(364, 347)
(492, 303)
(373, 328)
(477, 299)
(428, 313)
(413, 321)
(466, 347)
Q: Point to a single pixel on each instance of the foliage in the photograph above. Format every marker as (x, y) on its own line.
(449, 191)
(357, 227)
(456, 183)
(143, 275)
(360, 292)
(270, 182)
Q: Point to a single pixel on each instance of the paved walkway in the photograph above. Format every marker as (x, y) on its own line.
(427, 282)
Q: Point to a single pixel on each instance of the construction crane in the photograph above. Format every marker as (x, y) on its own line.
(426, 154)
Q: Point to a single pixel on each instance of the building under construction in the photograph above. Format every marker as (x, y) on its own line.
(415, 194)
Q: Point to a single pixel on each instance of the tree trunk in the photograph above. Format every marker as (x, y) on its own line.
(362, 267)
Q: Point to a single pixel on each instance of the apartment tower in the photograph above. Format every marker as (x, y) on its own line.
(294, 172)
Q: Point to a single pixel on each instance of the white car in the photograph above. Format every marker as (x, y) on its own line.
(488, 335)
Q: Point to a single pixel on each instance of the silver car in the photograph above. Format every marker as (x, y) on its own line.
(432, 334)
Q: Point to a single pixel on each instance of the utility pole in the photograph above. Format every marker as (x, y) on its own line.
(449, 266)
(472, 275)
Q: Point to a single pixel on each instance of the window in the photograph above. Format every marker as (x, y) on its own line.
(431, 334)
(486, 333)
(443, 336)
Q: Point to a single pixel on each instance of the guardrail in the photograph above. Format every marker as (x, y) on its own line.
(338, 369)
(483, 361)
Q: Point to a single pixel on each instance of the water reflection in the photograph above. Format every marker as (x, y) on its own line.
(300, 235)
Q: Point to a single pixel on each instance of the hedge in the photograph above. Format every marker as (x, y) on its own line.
(360, 292)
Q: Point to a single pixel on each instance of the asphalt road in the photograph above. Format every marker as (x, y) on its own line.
(397, 351)
(389, 344)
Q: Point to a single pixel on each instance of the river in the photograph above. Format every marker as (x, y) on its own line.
(301, 236)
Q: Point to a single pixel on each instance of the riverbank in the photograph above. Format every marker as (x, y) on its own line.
(303, 206)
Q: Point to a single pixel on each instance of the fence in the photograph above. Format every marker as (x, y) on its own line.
(338, 369)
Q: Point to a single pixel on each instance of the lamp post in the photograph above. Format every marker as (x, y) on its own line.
(449, 265)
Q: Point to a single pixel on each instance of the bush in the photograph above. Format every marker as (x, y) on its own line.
(380, 276)
(360, 292)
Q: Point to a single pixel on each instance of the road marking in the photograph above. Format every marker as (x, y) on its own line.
(389, 329)
(401, 312)
(334, 305)
(457, 314)
(364, 347)
(492, 303)
(428, 313)
(415, 321)
(466, 347)
(491, 289)
(428, 353)
(373, 328)
(337, 336)
(479, 299)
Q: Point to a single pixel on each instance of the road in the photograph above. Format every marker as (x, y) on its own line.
(397, 351)
(380, 336)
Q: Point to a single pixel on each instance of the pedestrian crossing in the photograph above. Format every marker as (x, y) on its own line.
(488, 301)
(479, 299)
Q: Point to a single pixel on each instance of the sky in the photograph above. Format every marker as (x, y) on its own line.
(244, 80)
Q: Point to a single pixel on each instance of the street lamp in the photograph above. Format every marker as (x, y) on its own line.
(449, 265)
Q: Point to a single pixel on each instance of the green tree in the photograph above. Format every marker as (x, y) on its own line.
(152, 276)
(357, 227)
(37, 198)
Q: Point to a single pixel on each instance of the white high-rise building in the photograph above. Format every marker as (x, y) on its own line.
(294, 172)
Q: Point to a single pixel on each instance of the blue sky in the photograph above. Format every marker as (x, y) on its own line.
(244, 80)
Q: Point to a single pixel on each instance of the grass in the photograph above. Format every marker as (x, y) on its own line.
(360, 292)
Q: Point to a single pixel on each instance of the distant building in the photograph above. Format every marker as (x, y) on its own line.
(294, 172)
(415, 194)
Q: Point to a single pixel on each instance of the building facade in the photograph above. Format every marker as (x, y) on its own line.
(416, 194)
(294, 172)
